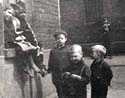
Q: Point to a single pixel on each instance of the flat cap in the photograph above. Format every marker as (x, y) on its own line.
(58, 32)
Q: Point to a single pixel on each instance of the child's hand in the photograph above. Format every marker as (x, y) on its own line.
(74, 76)
(19, 32)
(66, 75)
(43, 72)
(38, 50)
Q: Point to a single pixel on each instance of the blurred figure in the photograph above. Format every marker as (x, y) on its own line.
(107, 37)
(10, 25)
(15, 38)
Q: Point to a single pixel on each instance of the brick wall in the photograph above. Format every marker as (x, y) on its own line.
(115, 10)
(45, 20)
(82, 19)
(73, 19)
(78, 18)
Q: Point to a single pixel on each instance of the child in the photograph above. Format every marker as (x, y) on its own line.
(107, 37)
(77, 76)
(38, 59)
(26, 43)
(58, 60)
(9, 25)
(101, 73)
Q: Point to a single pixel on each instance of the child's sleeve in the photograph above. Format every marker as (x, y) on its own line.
(50, 63)
(85, 76)
(109, 75)
(35, 42)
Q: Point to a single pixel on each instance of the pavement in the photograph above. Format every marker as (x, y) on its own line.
(111, 93)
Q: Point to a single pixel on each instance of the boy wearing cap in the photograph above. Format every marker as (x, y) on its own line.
(101, 73)
(77, 75)
(58, 60)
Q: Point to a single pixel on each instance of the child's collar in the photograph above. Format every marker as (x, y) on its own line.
(60, 46)
(99, 61)
(81, 62)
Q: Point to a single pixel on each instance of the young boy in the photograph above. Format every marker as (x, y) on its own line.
(101, 73)
(27, 47)
(77, 75)
(58, 60)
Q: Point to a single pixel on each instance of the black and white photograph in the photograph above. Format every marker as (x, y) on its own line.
(62, 48)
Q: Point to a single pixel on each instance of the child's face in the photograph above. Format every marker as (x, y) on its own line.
(61, 40)
(75, 57)
(95, 54)
(8, 14)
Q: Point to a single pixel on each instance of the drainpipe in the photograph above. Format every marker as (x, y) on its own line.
(59, 16)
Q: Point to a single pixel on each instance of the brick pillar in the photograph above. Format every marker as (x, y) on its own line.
(14, 83)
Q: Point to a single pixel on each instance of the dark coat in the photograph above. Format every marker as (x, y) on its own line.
(101, 75)
(28, 32)
(58, 60)
(76, 88)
